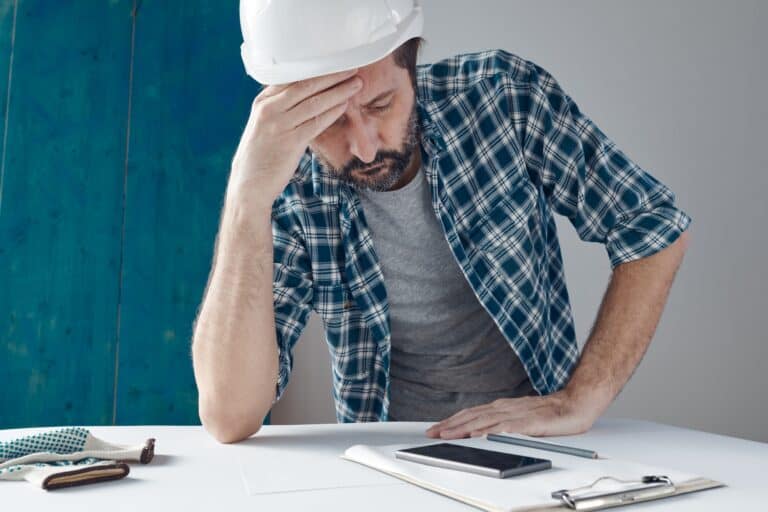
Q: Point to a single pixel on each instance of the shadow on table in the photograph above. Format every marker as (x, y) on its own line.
(164, 460)
(120, 483)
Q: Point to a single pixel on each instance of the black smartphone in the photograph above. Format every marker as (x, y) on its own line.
(473, 460)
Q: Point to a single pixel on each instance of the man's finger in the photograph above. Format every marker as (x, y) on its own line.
(271, 90)
(314, 126)
(296, 92)
(460, 417)
(282, 92)
(481, 421)
(321, 102)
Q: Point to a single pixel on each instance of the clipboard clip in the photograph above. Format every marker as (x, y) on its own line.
(587, 498)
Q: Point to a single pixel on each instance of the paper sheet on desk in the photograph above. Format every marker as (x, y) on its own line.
(520, 492)
(276, 470)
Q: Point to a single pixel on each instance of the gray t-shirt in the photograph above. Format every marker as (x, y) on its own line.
(447, 352)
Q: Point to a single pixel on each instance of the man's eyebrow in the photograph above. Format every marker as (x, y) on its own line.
(381, 96)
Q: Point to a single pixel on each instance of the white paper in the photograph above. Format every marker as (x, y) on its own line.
(533, 489)
(305, 470)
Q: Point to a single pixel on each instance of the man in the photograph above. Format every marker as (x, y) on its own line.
(440, 182)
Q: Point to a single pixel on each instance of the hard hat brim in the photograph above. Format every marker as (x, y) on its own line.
(291, 71)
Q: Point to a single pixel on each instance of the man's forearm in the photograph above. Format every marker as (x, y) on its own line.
(625, 324)
(234, 349)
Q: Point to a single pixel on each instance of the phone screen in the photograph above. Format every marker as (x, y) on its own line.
(477, 456)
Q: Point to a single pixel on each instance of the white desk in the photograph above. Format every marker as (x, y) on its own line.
(191, 471)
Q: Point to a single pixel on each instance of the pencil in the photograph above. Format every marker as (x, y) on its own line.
(552, 447)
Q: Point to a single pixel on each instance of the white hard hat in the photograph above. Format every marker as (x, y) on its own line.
(289, 40)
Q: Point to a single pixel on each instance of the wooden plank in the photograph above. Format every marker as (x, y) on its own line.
(61, 218)
(190, 101)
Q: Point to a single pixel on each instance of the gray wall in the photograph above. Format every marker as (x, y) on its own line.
(680, 86)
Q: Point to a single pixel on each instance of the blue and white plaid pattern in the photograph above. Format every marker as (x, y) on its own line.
(503, 147)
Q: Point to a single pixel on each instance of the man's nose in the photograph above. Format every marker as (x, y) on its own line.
(363, 141)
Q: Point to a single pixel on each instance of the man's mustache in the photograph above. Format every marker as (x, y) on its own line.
(381, 157)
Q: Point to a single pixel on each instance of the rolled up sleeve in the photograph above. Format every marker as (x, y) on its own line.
(292, 290)
(606, 196)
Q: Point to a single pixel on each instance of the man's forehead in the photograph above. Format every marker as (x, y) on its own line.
(378, 78)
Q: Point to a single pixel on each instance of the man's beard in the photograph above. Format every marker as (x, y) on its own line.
(395, 163)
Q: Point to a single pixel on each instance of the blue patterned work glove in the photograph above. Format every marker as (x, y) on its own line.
(67, 457)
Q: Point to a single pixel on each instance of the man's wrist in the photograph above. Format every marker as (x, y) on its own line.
(243, 201)
(591, 400)
(246, 228)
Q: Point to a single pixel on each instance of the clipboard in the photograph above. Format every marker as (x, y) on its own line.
(650, 487)
(613, 482)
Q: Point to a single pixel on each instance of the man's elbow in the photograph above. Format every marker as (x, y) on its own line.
(227, 428)
(229, 434)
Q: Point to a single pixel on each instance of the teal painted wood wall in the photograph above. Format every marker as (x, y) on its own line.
(119, 122)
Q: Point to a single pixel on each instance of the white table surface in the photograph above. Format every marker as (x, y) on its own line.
(191, 471)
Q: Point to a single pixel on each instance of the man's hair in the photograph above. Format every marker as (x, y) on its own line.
(405, 56)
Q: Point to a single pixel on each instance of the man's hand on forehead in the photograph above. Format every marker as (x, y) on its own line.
(302, 89)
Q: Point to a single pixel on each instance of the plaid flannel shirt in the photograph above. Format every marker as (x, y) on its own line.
(503, 146)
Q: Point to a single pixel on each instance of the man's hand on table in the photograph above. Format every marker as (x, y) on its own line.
(549, 415)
